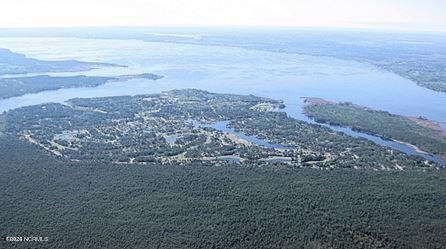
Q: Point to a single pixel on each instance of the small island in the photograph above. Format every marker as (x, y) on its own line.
(424, 134)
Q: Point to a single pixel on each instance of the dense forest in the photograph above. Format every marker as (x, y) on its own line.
(157, 171)
(104, 173)
(420, 132)
(135, 129)
(93, 205)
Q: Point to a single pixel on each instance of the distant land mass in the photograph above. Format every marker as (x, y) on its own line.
(15, 63)
(14, 87)
(417, 58)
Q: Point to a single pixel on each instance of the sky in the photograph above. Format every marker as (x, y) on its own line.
(420, 15)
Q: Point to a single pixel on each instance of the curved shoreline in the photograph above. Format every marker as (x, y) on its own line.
(440, 159)
(82, 82)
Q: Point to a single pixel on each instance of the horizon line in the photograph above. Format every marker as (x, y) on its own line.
(279, 27)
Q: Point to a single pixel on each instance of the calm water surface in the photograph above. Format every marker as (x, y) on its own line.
(228, 70)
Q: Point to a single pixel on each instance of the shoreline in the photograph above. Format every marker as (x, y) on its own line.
(119, 78)
(422, 122)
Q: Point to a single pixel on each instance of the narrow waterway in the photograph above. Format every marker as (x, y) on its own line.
(223, 126)
(224, 69)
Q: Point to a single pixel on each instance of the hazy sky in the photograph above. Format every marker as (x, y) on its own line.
(395, 14)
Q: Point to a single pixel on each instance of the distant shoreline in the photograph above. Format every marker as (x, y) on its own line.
(16, 87)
